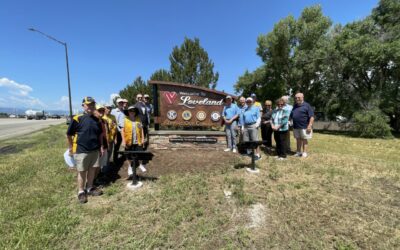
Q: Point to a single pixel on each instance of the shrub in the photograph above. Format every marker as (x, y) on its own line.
(372, 124)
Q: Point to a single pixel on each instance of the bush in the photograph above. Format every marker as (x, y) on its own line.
(372, 124)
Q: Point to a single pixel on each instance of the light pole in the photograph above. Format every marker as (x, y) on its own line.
(66, 58)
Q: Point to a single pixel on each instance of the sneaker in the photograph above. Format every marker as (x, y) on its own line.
(227, 149)
(257, 157)
(298, 154)
(234, 150)
(304, 155)
(142, 168)
(82, 198)
(95, 192)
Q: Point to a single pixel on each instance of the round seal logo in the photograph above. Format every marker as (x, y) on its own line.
(171, 115)
(201, 115)
(186, 115)
(215, 116)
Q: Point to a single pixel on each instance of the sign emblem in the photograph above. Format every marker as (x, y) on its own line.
(186, 115)
(171, 115)
(201, 115)
(215, 116)
(170, 96)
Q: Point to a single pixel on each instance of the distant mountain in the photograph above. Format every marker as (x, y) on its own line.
(21, 111)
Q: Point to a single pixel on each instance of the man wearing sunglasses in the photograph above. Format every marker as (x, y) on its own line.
(85, 140)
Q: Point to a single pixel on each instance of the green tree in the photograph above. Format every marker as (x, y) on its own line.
(387, 19)
(190, 64)
(161, 75)
(295, 53)
(261, 83)
(138, 86)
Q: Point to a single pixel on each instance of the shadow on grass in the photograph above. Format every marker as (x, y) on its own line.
(241, 165)
(14, 149)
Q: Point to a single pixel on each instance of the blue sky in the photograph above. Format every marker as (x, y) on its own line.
(110, 43)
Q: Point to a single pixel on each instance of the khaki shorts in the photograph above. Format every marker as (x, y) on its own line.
(300, 133)
(86, 160)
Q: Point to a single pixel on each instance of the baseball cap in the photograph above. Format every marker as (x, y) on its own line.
(99, 106)
(124, 100)
(253, 95)
(133, 108)
(88, 100)
(228, 97)
(146, 96)
(249, 99)
(120, 100)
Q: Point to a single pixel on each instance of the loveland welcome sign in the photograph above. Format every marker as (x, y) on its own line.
(178, 104)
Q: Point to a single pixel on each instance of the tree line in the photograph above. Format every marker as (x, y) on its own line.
(351, 70)
(189, 63)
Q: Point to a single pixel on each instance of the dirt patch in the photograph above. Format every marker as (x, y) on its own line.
(184, 161)
(257, 214)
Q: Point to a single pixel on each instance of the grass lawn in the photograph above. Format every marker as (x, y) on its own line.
(346, 195)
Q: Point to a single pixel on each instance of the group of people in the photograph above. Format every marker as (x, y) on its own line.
(244, 119)
(96, 136)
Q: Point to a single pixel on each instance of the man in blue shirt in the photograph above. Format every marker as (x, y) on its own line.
(303, 119)
(120, 117)
(251, 121)
(230, 113)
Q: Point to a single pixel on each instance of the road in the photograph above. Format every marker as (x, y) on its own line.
(10, 127)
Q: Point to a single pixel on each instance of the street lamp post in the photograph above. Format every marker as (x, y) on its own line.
(66, 58)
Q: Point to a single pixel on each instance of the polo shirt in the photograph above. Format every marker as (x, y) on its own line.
(120, 117)
(241, 111)
(250, 115)
(301, 114)
(142, 113)
(86, 130)
(230, 111)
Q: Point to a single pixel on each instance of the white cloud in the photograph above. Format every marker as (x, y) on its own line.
(15, 88)
(18, 95)
(63, 104)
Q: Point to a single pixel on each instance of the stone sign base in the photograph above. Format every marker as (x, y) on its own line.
(183, 139)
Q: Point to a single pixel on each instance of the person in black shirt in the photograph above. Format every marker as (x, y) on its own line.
(266, 130)
(141, 106)
(85, 142)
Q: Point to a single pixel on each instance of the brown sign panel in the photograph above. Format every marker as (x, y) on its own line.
(187, 105)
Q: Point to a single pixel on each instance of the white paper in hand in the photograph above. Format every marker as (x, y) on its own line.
(69, 159)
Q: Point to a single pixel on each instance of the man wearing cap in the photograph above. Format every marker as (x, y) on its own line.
(256, 103)
(143, 116)
(251, 120)
(119, 115)
(84, 135)
(149, 107)
(112, 132)
(100, 169)
(230, 113)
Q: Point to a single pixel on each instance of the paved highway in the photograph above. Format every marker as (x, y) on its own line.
(10, 127)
